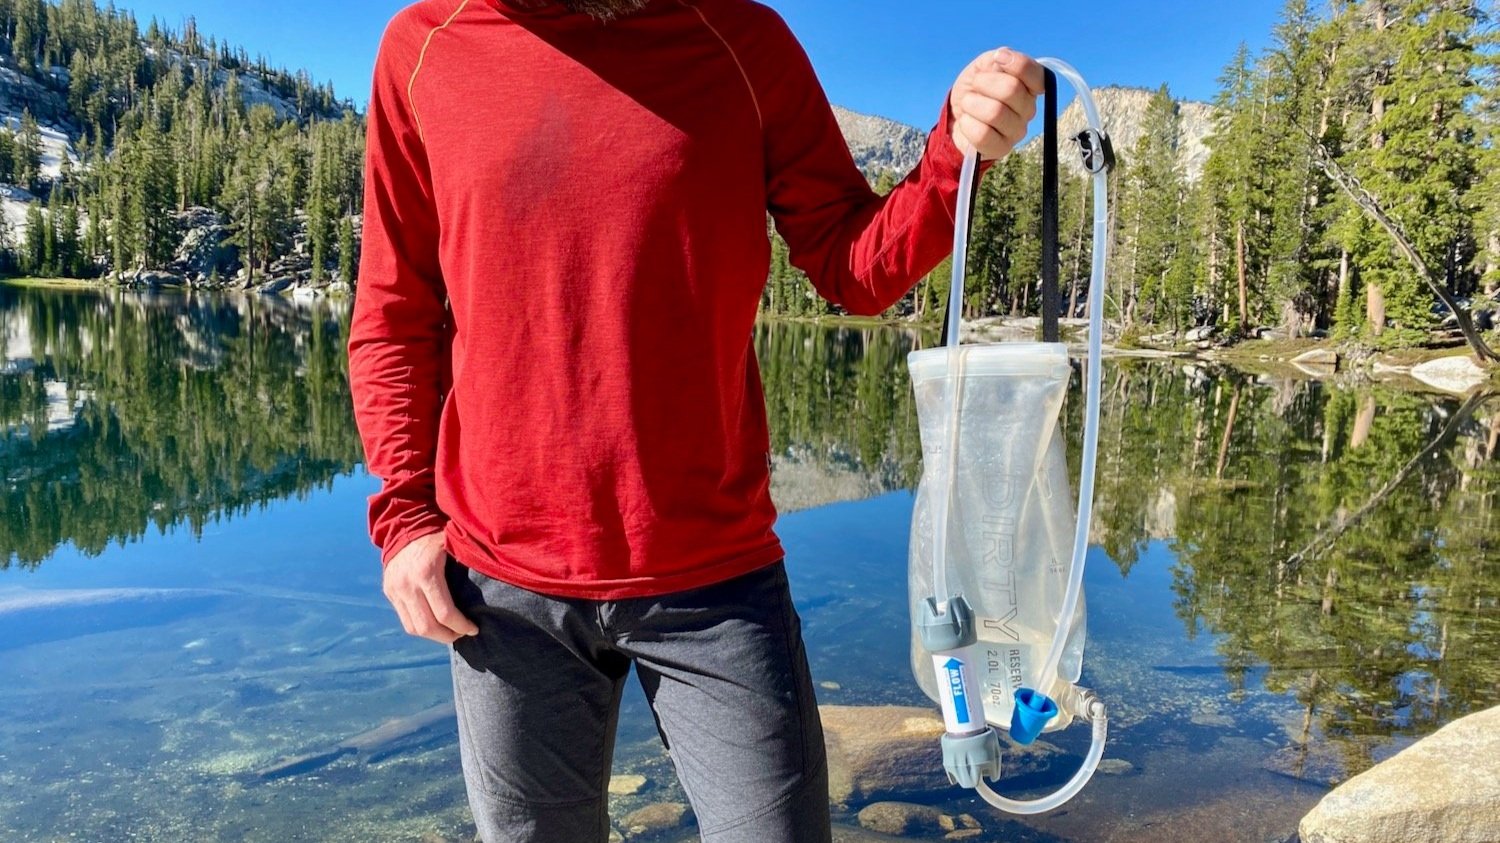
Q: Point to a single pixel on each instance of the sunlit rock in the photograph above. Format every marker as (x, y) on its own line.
(1317, 361)
(1444, 788)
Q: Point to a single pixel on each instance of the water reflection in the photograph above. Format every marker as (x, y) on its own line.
(1303, 575)
(121, 411)
(1343, 539)
(839, 403)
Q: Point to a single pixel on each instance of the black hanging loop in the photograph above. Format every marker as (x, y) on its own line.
(1051, 295)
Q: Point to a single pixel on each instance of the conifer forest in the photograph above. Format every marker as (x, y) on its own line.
(1395, 99)
(163, 124)
(1351, 187)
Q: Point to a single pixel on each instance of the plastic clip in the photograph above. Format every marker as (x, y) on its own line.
(1097, 150)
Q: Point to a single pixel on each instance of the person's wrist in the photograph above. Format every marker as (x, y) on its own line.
(398, 546)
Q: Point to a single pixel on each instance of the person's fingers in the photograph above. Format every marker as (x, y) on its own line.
(1024, 68)
(423, 624)
(440, 603)
(995, 114)
(983, 62)
(401, 614)
(983, 137)
(1005, 88)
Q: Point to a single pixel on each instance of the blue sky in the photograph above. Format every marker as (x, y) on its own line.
(876, 56)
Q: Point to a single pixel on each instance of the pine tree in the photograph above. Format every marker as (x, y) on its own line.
(29, 152)
(348, 260)
(1235, 174)
(319, 218)
(69, 257)
(48, 263)
(8, 156)
(34, 251)
(1154, 224)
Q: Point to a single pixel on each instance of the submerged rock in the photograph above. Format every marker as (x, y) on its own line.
(653, 819)
(1331, 762)
(879, 752)
(876, 751)
(850, 834)
(1115, 767)
(1444, 788)
(626, 785)
(900, 818)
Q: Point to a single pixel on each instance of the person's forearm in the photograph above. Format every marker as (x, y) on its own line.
(395, 379)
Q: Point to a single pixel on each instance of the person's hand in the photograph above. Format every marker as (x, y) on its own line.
(415, 585)
(993, 100)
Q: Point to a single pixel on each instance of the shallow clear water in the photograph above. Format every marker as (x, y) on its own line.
(188, 593)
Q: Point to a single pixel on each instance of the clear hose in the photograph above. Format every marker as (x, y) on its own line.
(1095, 713)
(1092, 376)
(953, 386)
(1059, 797)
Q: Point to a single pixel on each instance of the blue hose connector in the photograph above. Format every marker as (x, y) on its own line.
(1033, 711)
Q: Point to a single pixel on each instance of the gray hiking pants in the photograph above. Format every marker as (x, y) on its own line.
(723, 668)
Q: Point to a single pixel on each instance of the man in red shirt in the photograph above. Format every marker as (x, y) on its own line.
(551, 362)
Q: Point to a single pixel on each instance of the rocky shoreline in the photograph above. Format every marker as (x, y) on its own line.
(1450, 368)
(206, 260)
(1444, 788)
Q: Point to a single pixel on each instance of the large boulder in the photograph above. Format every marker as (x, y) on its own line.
(202, 252)
(1444, 788)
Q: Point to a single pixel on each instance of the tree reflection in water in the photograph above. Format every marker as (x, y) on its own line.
(122, 411)
(1338, 541)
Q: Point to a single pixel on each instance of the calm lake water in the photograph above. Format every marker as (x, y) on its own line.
(1290, 581)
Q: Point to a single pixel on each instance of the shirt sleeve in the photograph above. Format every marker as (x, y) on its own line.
(861, 251)
(398, 339)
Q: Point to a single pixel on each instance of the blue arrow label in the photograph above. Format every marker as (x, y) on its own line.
(960, 694)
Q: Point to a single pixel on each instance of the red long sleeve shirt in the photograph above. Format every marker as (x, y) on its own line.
(564, 249)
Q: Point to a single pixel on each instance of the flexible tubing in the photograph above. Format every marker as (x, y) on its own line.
(953, 388)
(1060, 796)
(1093, 380)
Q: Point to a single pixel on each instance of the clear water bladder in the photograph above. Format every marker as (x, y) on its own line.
(997, 552)
(1010, 523)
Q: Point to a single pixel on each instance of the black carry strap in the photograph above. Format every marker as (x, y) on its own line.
(1051, 256)
(1051, 300)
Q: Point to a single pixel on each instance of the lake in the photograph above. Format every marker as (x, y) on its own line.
(1290, 580)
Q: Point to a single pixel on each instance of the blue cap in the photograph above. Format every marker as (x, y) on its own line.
(1033, 711)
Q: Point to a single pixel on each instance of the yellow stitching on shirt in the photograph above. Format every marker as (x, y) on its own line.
(420, 56)
(759, 118)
